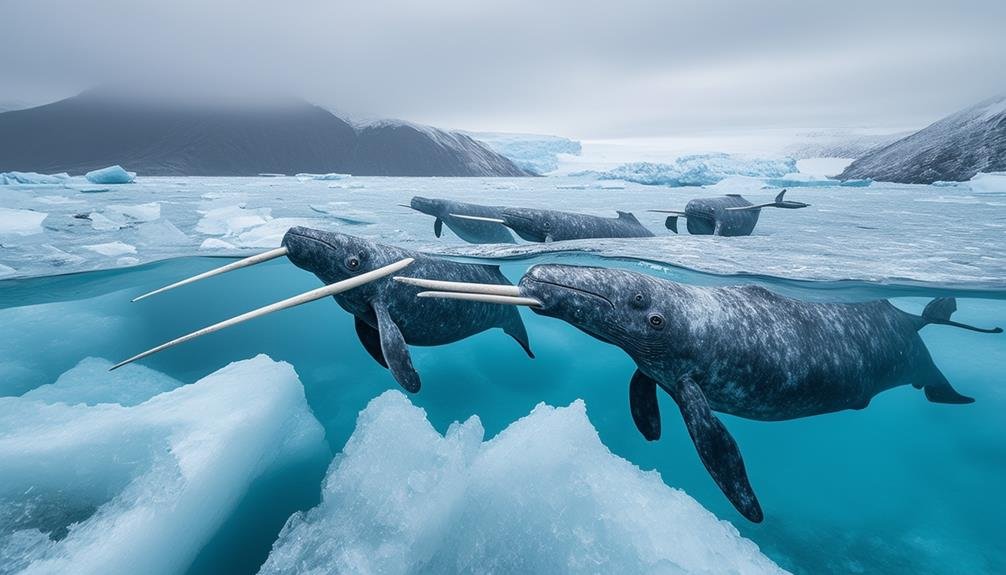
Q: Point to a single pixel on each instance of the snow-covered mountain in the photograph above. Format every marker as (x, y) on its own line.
(164, 138)
(952, 149)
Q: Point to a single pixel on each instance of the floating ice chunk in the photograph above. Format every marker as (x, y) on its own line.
(270, 234)
(102, 223)
(32, 178)
(21, 222)
(989, 183)
(126, 261)
(142, 489)
(272, 175)
(216, 244)
(112, 249)
(110, 175)
(6, 271)
(544, 496)
(349, 186)
(332, 176)
(91, 383)
(231, 220)
(92, 190)
(162, 233)
(799, 180)
(138, 213)
(57, 257)
(57, 200)
(698, 170)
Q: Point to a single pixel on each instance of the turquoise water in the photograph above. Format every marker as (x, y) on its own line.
(905, 486)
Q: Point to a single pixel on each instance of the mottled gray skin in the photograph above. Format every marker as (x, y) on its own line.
(551, 225)
(471, 231)
(742, 350)
(388, 313)
(710, 216)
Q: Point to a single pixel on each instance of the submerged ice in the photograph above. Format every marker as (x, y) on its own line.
(543, 496)
(128, 473)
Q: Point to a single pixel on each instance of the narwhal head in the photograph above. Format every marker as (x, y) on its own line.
(623, 308)
(532, 225)
(429, 206)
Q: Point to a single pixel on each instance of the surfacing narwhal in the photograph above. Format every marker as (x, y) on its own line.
(742, 350)
(388, 315)
(729, 215)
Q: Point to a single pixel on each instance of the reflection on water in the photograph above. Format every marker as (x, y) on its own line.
(903, 486)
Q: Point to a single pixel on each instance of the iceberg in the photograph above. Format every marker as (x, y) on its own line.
(697, 170)
(799, 180)
(32, 178)
(143, 488)
(989, 183)
(110, 175)
(21, 222)
(333, 176)
(543, 496)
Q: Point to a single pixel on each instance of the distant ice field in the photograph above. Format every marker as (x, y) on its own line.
(947, 235)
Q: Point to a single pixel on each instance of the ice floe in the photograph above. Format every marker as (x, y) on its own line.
(698, 170)
(331, 176)
(110, 175)
(32, 178)
(21, 222)
(543, 496)
(990, 183)
(142, 488)
(112, 249)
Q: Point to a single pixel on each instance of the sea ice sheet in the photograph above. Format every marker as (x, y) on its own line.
(121, 489)
(543, 496)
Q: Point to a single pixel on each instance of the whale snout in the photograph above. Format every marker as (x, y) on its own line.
(424, 205)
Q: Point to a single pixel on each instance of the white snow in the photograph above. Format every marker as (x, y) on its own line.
(110, 175)
(543, 496)
(112, 249)
(141, 489)
(21, 222)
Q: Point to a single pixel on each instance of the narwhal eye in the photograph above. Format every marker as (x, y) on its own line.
(352, 262)
(638, 300)
(656, 320)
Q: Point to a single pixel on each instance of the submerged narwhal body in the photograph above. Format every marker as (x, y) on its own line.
(729, 215)
(388, 315)
(536, 225)
(742, 350)
(472, 231)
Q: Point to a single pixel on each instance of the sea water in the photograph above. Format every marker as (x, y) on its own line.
(902, 486)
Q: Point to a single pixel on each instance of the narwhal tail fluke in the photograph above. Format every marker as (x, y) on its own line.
(939, 311)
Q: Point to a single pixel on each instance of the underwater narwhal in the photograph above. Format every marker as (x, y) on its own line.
(742, 350)
(388, 315)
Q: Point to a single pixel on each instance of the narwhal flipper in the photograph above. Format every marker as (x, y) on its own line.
(514, 327)
(371, 340)
(939, 390)
(717, 449)
(644, 406)
(395, 351)
(438, 227)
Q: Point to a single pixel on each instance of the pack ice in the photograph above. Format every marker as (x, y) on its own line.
(89, 486)
(544, 496)
(698, 170)
(110, 175)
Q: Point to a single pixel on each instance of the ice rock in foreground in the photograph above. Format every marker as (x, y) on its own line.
(119, 490)
(21, 222)
(544, 496)
(699, 170)
(110, 175)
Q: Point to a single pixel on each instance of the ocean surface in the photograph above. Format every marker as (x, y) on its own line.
(904, 486)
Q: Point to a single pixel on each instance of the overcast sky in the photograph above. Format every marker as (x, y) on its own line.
(570, 67)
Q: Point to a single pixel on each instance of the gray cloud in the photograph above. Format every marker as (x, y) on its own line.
(584, 69)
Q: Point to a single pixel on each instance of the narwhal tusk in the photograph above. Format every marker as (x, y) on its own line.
(306, 297)
(249, 261)
(439, 285)
(678, 212)
(405, 206)
(487, 298)
(479, 219)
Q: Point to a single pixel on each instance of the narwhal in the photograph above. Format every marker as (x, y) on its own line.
(388, 315)
(742, 350)
(536, 225)
(472, 231)
(729, 215)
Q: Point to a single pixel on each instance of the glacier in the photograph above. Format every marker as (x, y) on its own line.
(110, 175)
(537, 153)
(101, 479)
(542, 496)
(697, 170)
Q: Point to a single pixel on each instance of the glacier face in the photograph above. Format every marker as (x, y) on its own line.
(543, 496)
(145, 479)
(698, 170)
(533, 152)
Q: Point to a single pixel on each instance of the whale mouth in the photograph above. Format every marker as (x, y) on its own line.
(571, 288)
